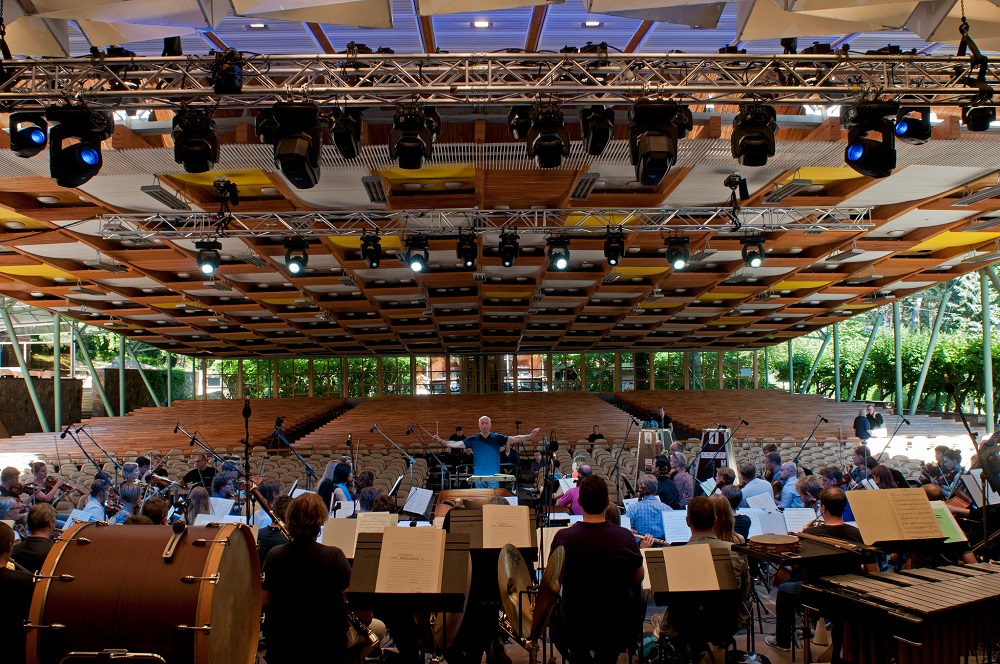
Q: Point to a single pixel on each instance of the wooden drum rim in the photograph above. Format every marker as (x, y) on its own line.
(41, 592)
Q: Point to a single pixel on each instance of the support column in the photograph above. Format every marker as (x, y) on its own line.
(28, 382)
(310, 369)
(805, 384)
(836, 363)
(898, 354)
(204, 377)
(95, 381)
(56, 373)
(145, 378)
(864, 358)
(932, 344)
(984, 295)
(121, 375)
(170, 382)
(791, 369)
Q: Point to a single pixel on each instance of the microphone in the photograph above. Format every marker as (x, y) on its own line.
(68, 427)
(246, 409)
(191, 442)
(374, 426)
(81, 428)
(635, 423)
(348, 441)
(410, 430)
(745, 423)
(823, 418)
(904, 419)
(177, 426)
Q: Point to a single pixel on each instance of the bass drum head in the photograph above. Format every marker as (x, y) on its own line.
(111, 588)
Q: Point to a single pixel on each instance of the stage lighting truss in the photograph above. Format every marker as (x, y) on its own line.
(678, 251)
(235, 80)
(411, 139)
(614, 246)
(753, 134)
(296, 132)
(416, 253)
(509, 248)
(753, 250)
(371, 249)
(597, 126)
(196, 145)
(346, 131)
(653, 131)
(467, 250)
(209, 258)
(913, 125)
(872, 157)
(548, 138)
(72, 165)
(558, 252)
(296, 255)
(29, 133)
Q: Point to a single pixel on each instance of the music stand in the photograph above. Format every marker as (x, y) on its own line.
(395, 487)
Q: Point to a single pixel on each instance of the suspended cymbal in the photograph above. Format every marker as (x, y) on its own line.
(548, 591)
(513, 578)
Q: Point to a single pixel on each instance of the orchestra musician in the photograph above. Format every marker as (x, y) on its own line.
(44, 489)
(772, 466)
(16, 588)
(129, 495)
(95, 507)
(10, 487)
(751, 485)
(681, 478)
(862, 464)
(787, 476)
(333, 487)
(198, 503)
(666, 489)
(809, 488)
(485, 447)
(201, 475)
(30, 552)
(646, 515)
(831, 477)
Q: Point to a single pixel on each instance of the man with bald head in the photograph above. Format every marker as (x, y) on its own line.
(789, 494)
(485, 447)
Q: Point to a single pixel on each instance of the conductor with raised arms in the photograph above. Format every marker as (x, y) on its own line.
(485, 447)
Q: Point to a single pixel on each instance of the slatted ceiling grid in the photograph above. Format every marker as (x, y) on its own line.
(564, 26)
(508, 29)
(402, 38)
(293, 37)
(916, 182)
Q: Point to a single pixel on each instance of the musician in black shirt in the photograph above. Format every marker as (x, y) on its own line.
(201, 475)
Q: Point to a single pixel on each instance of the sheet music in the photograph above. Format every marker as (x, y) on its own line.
(418, 501)
(773, 523)
(575, 518)
(205, 519)
(675, 528)
(341, 533)
(376, 522)
(630, 501)
(892, 515)
(567, 483)
(976, 489)
(506, 524)
(626, 523)
(645, 567)
(346, 509)
(690, 568)
(946, 521)
(754, 514)
(545, 536)
(914, 515)
(511, 500)
(763, 501)
(222, 506)
(74, 516)
(412, 561)
(439, 522)
(869, 484)
(708, 486)
(295, 493)
(797, 518)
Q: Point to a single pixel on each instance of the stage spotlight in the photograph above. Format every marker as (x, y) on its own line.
(508, 248)
(371, 249)
(28, 133)
(466, 249)
(597, 125)
(913, 125)
(209, 259)
(614, 246)
(416, 253)
(753, 250)
(978, 118)
(753, 134)
(654, 128)
(868, 156)
(196, 146)
(296, 132)
(72, 165)
(558, 252)
(519, 121)
(346, 131)
(414, 130)
(296, 256)
(548, 138)
(678, 252)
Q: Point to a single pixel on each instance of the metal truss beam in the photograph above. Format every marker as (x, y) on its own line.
(493, 79)
(573, 222)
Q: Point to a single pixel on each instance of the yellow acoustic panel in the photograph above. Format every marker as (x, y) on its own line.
(724, 296)
(603, 220)
(796, 285)
(44, 271)
(389, 242)
(248, 178)
(629, 272)
(178, 304)
(950, 239)
(427, 174)
(825, 175)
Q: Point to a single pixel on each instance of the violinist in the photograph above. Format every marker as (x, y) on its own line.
(201, 475)
(95, 507)
(772, 466)
(130, 474)
(863, 464)
(148, 469)
(30, 552)
(11, 488)
(129, 496)
(45, 489)
(666, 489)
(931, 472)
(16, 587)
(951, 467)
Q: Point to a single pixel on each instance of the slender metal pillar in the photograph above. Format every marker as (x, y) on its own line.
(170, 382)
(56, 373)
(836, 363)
(897, 340)
(121, 375)
(28, 382)
(931, 345)
(993, 277)
(766, 372)
(805, 384)
(864, 358)
(145, 378)
(791, 369)
(94, 380)
(984, 295)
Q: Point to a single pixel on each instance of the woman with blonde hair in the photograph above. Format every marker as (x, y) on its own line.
(198, 503)
(725, 522)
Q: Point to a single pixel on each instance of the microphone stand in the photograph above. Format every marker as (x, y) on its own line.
(802, 449)
(280, 437)
(409, 458)
(725, 446)
(616, 472)
(902, 421)
(118, 466)
(246, 461)
(100, 471)
(194, 441)
(444, 468)
(549, 448)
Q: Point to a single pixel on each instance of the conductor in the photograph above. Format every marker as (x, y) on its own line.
(485, 448)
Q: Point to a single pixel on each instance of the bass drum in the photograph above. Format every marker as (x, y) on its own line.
(109, 587)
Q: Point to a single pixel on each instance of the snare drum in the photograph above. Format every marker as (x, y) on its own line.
(774, 543)
(108, 587)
